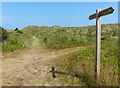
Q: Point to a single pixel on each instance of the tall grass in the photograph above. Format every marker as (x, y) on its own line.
(82, 64)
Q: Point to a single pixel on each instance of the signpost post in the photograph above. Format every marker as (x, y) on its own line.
(98, 15)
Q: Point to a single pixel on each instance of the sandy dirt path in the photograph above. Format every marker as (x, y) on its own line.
(30, 67)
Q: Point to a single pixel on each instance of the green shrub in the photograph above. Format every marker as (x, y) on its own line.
(19, 32)
(11, 46)
(3, 34)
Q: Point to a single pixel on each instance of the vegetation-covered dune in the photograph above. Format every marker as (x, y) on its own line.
(79, 63)
(57, 37)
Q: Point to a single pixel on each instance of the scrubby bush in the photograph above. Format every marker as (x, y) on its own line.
(19, 32)
(3, 34)
(12, 46)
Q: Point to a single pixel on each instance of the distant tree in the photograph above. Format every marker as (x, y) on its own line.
(16, 29)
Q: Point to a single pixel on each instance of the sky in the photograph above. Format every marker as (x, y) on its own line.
(65, 14)
(59, 1)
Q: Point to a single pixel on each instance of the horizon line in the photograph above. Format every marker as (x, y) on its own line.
(60, 26)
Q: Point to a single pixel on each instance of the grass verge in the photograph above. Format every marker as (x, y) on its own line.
(78, 68)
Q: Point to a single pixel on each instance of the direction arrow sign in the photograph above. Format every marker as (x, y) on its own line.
(98, 15)
(102, 13)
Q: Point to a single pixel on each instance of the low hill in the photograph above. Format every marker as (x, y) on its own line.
(59, 37)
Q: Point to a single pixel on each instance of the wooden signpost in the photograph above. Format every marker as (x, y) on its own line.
(98, 15)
